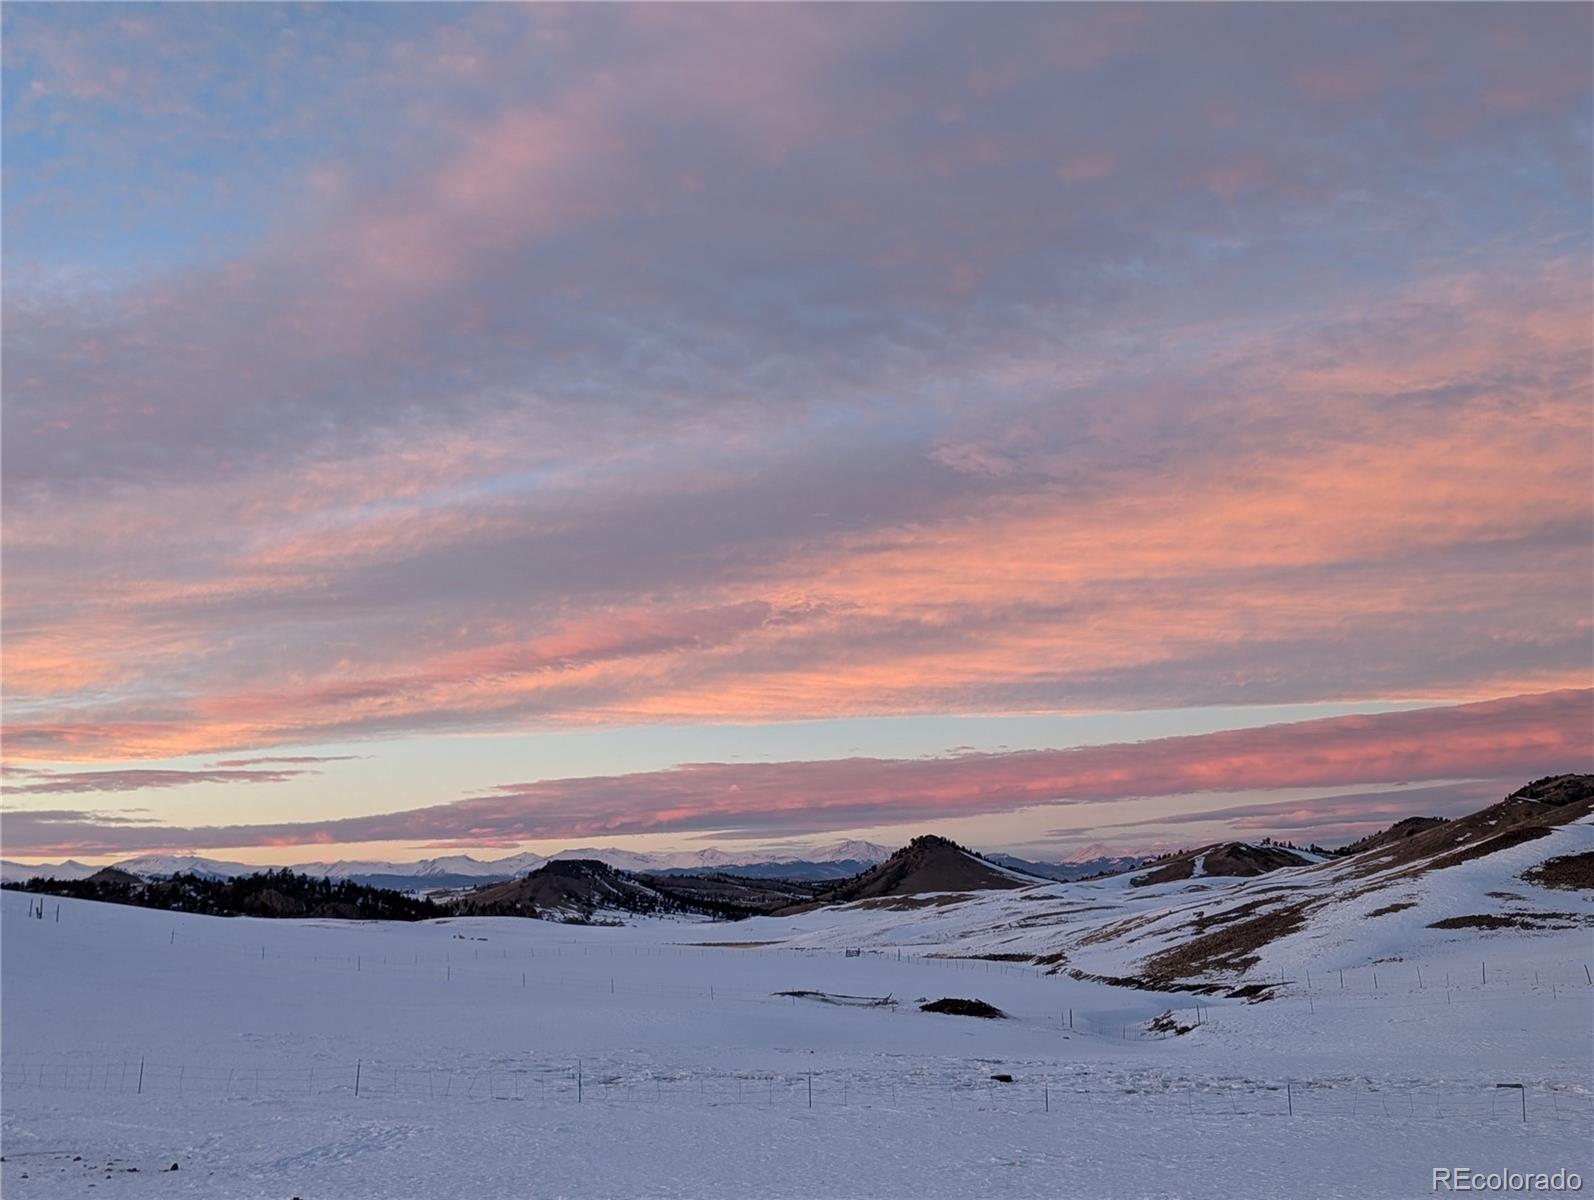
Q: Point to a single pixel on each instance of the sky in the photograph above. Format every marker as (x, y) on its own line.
(439, 428)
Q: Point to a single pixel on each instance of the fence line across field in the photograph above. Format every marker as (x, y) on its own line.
(566, 1082)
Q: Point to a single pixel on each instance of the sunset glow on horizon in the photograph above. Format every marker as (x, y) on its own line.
(440, 429)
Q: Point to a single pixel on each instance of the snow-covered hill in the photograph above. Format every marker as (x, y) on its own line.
(492, 1056)
(160, 866)
(1516, 871)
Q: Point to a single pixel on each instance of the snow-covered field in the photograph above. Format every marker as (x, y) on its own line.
(527, 1058)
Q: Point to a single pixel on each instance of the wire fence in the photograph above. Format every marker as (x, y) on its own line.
(565, 1082)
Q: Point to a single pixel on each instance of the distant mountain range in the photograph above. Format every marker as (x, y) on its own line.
(838, 860)
(815, 864)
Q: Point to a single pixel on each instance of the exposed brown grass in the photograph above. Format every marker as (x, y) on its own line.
(1115, 929)
(1493, 845)
(908, 903)
(1393, 908)
(1574, 872)
(1529, 813)
(956, 1007)
(1525, 920)
(1169, 872)
(1231, 948)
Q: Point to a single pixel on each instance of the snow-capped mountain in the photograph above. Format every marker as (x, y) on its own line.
(625, 860)
(426, 868)
(161, 865)
(15, 872)
(851, 850)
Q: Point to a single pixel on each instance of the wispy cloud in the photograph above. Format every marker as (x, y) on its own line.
(1342, 815)
(517, 367)
(1492, 740)
(283, 760)
(52, 783)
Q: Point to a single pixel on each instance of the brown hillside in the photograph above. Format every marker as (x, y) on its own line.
(573, 888)
(1398, 832)
(1231, 859)
(1526, 814)
(926, 864)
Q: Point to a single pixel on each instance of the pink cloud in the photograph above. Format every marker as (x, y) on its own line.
(689, 377)
(1517, 737)
(64, 782)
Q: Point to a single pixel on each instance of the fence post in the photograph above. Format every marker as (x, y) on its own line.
(1289, 1096)
(356, 1077)
(1046, 1097)
(810, 1089)
(140, 1091)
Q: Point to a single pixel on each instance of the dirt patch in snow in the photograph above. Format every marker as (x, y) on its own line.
(907, 903)
(1114, 929)
(1402, 906)
(954, 1006)
(993, 957)
(1575, 872)
(1253, 993)
(1166, 1022)
(1525, 920)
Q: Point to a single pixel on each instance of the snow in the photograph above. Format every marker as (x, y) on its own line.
(161, 865)
(15, 872)
(709, 859)
(468, 1037)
